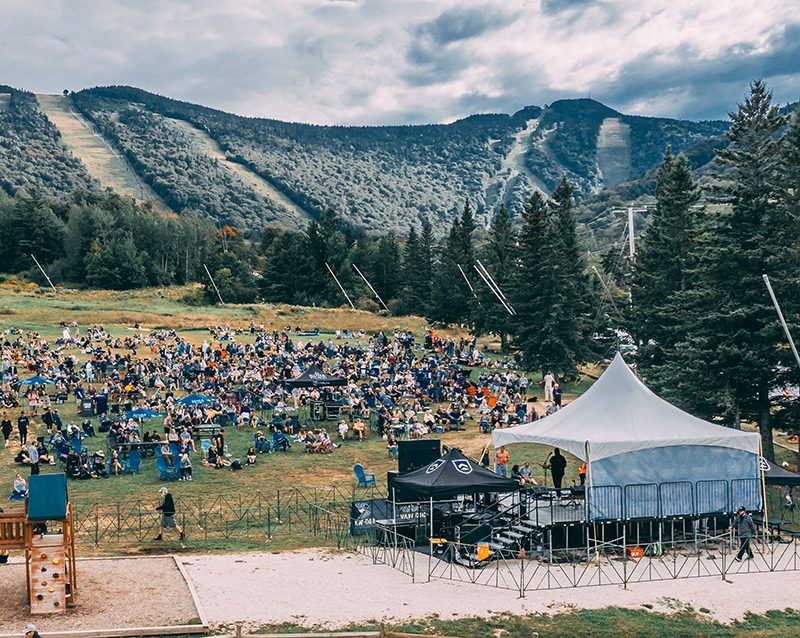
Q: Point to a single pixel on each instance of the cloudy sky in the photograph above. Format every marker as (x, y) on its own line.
(409, 61)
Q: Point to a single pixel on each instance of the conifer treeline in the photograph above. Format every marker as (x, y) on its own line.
(710, 339)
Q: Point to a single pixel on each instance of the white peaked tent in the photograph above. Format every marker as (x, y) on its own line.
(649, 457)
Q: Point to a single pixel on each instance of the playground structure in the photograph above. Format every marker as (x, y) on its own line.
(49, 555)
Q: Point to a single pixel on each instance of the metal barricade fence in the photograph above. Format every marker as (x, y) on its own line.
(253, 516)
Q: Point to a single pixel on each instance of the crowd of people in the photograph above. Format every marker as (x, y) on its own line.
(389, 384)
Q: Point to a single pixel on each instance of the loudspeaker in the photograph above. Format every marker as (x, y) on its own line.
(416, 454)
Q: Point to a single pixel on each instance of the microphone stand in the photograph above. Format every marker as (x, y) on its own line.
(544, 465)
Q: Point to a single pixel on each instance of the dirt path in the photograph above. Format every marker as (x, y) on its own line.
(100, 159)
(318, 587)
(206, 144)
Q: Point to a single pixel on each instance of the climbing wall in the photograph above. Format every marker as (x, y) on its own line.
(48, 574)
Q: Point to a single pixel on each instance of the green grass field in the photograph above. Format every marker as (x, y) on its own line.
(118, 311)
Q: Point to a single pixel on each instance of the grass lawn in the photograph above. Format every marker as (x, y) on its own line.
(117, 311)
(611, 622)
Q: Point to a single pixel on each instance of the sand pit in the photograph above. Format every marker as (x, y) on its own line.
(325, 588)
(112, 593)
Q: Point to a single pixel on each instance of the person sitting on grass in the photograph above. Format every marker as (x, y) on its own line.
(186, 467)
(20, 489)
(279, 440)
(262, 444)
(251, 456)
(88, 428)
(360, 429)
(343, 428)
(99, 465)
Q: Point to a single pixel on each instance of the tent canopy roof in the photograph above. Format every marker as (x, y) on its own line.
(619, 414)
(776, 475)
(453, 474)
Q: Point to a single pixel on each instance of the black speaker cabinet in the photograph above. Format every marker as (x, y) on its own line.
(399, 496)
(417, 453)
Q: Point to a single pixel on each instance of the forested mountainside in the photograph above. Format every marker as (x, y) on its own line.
(32, 154)
(254, 172)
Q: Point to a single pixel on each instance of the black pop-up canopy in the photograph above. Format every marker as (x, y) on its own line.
(776, 475)
(451, 475)
(315, 378)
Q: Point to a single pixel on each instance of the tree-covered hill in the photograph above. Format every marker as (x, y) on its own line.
(32, 154)
(385, 177)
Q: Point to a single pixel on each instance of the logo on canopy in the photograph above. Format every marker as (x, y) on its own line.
(462, 465)
(765, 466)
(434, 466)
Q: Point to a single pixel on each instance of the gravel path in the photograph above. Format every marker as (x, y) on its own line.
(141, 592)
(319, 587)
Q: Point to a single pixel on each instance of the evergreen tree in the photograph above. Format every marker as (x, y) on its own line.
(29, 227)
(409, 294)
(449, 297)
(731, 337)
(498, 257)
(545, 325)
(386, 273)
(662, 263)
(425, 267)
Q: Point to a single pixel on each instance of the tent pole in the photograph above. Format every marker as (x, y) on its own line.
(346, 296)
(763, 482)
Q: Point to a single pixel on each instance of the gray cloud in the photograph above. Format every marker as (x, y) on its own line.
(409, 61)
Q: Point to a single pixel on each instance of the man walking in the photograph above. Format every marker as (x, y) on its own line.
(746, 529)
(167, 509)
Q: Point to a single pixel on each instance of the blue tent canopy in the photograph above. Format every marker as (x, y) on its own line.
(36, 380)
(142, 413)
(195, 399)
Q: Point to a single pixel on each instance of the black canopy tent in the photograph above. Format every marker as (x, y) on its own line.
(451, 475)
(776, 475)
(314, 377)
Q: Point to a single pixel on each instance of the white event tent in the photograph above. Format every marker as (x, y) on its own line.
(645, 457)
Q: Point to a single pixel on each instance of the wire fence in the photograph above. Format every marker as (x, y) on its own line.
(323, 512)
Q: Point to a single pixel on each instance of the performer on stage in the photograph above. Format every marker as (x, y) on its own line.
(557, 467)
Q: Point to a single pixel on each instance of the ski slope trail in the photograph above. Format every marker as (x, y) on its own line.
(208, 145)
(102, 161)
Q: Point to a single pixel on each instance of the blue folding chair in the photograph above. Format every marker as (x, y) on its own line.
(134, 462)
(166, 471)
(365, 479)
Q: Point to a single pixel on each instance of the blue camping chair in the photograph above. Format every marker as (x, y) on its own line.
(134, 462)
(205, 446)
(365, 479)
(76, 444)
(166, 472)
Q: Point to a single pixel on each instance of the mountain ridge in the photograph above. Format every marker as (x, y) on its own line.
(374, 176)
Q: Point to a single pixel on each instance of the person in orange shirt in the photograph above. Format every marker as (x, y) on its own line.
(582, 473)
(501, 461)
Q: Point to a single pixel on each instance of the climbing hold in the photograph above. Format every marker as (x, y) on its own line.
(44, 569)
(51, 590)
(44, 582)
(56, 561)
(39, 597)
(44, 556)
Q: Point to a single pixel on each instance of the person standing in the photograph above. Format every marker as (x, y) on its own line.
(746, 529)
(22, 427)
(167, 509)
(6, 426)
(557, 466)
(33, 458)
(501, 460)
(549, 380)
(557, 393)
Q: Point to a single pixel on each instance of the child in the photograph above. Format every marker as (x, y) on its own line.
(392, 447)
(251, 456)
